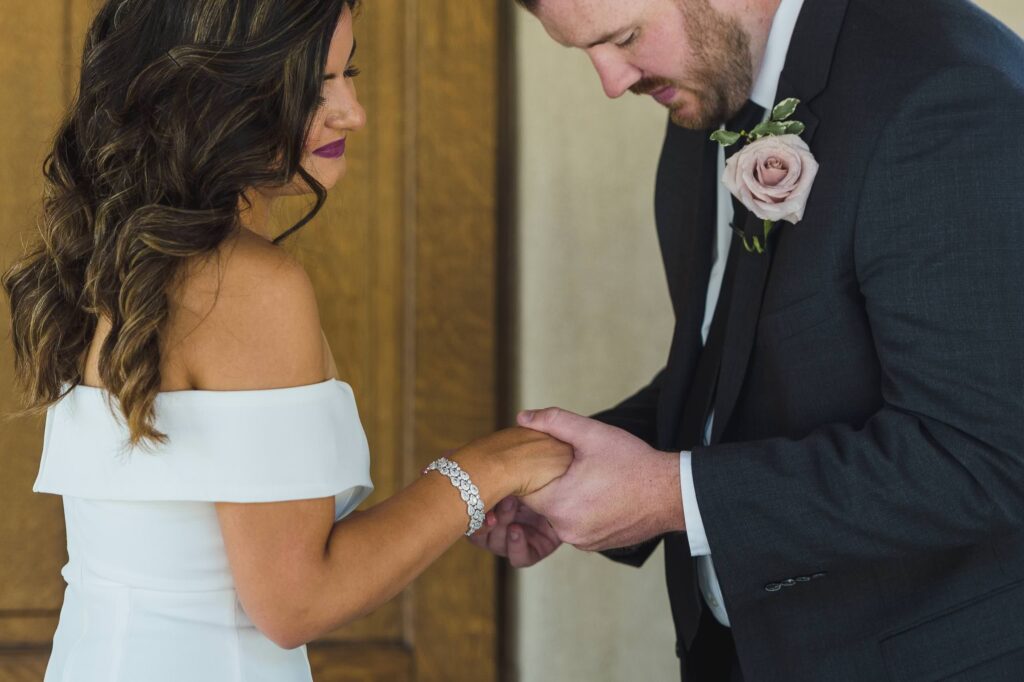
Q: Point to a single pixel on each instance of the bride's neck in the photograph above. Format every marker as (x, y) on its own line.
(256, 217)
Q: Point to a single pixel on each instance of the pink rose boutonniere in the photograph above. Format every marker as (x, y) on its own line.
(773, 174)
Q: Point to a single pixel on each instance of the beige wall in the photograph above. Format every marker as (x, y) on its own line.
(1011, 12)
(594, 324)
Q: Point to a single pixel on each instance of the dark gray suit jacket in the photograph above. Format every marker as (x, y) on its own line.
(863, 494)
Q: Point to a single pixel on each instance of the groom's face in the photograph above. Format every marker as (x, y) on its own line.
(692, 57)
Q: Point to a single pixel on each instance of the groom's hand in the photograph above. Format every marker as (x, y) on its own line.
(618, 492)
(515, 531)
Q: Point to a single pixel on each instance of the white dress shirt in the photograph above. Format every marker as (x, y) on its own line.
(763, 94)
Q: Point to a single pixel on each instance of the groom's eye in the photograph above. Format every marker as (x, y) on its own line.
(630, 39)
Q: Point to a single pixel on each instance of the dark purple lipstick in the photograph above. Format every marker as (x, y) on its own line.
(333, 150)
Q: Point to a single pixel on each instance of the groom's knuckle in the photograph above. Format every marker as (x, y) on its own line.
(552, 414)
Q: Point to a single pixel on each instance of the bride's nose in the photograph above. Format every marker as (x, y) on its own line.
(349, 115)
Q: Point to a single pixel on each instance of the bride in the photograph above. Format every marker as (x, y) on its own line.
(208, 456)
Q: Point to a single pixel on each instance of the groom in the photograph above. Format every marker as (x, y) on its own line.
(833, 454)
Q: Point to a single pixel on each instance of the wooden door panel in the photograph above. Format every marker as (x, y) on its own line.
(27, 665)
(455, 339)
(29, 628)
(364, 662)
(403, 260)
(32, 547)
(355, 254)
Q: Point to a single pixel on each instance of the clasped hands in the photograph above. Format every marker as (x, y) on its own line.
(618, 492)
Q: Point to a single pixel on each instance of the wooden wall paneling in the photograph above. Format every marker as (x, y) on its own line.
(22, 665)
(455, 371)
(79, 16)
(403, 260)
(361, 662)
(354, 252)
(33, 54)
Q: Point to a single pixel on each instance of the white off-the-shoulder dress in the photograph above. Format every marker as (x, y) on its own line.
(150, 596)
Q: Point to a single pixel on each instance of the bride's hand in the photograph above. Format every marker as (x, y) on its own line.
(515, 531)
(530, 459)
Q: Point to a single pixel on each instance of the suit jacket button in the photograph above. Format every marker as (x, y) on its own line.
(803, 578)
(788, 582)
(772, 587)
(822, 574)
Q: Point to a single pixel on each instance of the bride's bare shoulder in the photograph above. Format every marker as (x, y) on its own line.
(244, 317)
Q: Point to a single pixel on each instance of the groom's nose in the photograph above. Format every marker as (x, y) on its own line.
(616, 74)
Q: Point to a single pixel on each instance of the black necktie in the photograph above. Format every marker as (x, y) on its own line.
(748, 117)
(702, 390)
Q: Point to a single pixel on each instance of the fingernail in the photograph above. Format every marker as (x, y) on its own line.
(526, 415)
(514, 535)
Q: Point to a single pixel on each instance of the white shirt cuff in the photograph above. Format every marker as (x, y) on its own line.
(691, 512)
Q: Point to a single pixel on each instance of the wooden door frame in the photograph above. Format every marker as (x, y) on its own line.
(439, 246)
(440, 118)
(455, 368)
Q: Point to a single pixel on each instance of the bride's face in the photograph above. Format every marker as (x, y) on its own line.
(339, 114)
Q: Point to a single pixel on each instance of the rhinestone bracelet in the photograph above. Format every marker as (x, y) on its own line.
(469, 492)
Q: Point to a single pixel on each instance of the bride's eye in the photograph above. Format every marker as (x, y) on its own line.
(321, 100)
(352, 71)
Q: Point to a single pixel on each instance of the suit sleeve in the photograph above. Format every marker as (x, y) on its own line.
(637, 415)
(939, 256)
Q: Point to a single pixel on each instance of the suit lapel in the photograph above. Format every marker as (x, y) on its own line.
(805, 76)
(686, 204)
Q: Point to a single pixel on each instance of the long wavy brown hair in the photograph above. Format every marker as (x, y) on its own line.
(181, 107)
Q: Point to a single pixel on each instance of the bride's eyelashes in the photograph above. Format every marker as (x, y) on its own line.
(350, 72)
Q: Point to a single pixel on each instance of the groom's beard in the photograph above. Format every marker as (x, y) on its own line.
(722, 73)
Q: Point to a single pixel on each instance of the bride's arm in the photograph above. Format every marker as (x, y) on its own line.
(298, 574)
